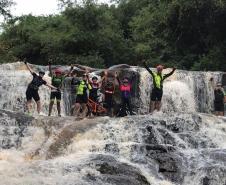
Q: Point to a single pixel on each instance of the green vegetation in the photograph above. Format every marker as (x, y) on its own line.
(186, 34)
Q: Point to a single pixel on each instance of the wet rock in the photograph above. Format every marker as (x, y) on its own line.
(117, 173)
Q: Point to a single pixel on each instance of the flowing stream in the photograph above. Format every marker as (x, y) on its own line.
(183, 144)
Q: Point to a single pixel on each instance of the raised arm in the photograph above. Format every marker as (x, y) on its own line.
(147, 68)
(117, 78)
(169, 74)
(104, 78)
(28, 67)
(50, 70)
(87, 74)
(70, 71)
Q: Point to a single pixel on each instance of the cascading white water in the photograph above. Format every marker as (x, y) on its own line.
(13, 84)
(183, 91)
(174, 146)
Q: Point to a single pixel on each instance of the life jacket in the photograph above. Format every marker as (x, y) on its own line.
(83, 87)
(125, 90)
(158, 80)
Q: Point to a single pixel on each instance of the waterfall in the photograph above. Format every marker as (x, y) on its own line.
(13, 84)
(183, 91)
(183, 144)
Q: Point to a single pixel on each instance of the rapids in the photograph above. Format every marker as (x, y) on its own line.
(183, 144)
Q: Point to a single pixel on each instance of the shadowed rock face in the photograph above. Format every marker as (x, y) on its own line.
(115, 172)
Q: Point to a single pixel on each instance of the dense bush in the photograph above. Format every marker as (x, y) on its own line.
(187, 34)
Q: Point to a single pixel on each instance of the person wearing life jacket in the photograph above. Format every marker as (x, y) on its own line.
(219, 100)
(125, 87)
(33, 87)
(82, 97)
(109, 90)
(157, 90)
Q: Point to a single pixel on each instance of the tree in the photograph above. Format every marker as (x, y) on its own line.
(4, 8)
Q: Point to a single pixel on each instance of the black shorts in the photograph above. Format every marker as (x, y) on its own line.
(81, 99)
(156, 94)
(55, 95)
(93, 96)
(219, 106)
(32, 93)
(108, 101)
(73, 98)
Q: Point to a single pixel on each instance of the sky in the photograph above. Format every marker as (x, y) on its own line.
(37, 7)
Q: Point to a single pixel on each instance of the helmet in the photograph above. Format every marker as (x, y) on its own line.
(41, 73)
(159, 67)
(57, 71)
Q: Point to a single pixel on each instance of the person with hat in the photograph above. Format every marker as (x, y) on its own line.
(57, 82)
(219, 100)
(33, 87)
(157, 90)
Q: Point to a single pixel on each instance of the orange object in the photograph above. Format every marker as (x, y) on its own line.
(96, 107)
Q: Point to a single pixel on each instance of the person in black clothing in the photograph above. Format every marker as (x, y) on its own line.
(75, 81)
(219, 96)
(157, 90)
(109, 90)
(32, 90)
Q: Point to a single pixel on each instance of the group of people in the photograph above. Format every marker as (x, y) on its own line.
(83, 89)
(101, 91)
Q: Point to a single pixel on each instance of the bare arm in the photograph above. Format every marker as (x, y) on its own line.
(147, 68)
(70, 71)
(117, 78)
(29, 68)
(169, 74)
(50, 70)
(104, 78)
(51, 86)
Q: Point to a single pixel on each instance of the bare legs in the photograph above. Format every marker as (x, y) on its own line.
(155, 105)
(80, 110)
(29, 106)
(51, 107)
(217, 113)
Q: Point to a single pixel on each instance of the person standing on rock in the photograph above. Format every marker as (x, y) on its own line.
(109, 90)
(219, 100)
(57, 82)
(84, 87)
(125, 87)
(75, 81)
(33, 87)
(157, 90)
